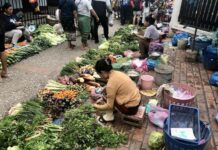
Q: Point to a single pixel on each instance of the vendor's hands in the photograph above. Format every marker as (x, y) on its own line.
(97, 19)
(95, 106)
(18, 23)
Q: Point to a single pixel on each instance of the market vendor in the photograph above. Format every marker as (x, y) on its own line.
(151, 34)
(12, 23)
(121, 92)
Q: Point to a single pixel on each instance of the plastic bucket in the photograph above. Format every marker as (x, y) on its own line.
(174, 144)
(163, 74)
(147, 82)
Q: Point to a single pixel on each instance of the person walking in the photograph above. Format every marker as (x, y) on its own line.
(125, 11)
(85, 10)
(67, 15)
(146, 9)
(2, 49)
(102, 8)
(137, 10)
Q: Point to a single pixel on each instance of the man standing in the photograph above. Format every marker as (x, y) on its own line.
(67, 15)
(85, 10)
(102, 8)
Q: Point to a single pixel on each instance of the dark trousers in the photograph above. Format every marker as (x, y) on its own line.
(126, 14)
(144, 48)
(127, 110)
(103, 20)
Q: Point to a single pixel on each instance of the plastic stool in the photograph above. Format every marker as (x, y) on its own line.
(135, 120)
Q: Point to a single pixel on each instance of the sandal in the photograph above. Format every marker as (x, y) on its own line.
(72, 46)
(102, 120)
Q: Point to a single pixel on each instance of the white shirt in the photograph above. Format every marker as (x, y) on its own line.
(84, 7)
(151, 32)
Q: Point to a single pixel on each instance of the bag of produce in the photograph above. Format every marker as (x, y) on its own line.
(155, 140)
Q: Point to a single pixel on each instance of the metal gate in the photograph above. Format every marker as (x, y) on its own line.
(202, 14)
(29, 15)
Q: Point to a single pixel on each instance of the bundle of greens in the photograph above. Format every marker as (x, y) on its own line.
(44, 138)
(15, 129)
(80, 131)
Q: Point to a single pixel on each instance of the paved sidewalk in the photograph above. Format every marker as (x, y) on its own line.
(193, 74)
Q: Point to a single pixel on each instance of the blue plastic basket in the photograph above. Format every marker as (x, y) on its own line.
(174, 144)
(184, 117)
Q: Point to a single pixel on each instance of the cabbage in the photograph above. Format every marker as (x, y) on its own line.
(155, 140)
(104, 46)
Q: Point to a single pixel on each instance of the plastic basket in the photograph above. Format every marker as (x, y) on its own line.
(168, 99)
(184, 117)
(174, 144)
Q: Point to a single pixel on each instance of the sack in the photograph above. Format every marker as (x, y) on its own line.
(111, 20)
(157, 115)
(178, 36)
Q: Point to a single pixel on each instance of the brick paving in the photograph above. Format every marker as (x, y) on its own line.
(193, 74)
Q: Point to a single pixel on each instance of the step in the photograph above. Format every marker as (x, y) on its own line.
(134, 120)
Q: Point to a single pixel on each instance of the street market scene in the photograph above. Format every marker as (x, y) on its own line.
(109, 75)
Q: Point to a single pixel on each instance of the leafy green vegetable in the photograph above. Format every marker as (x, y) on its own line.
(80, 131)
(70, 68)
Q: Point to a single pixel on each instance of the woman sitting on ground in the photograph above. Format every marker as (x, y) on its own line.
(11, 23)
(121, 92)
(151, 34)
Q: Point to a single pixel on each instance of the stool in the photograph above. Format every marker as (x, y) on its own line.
(135, 120)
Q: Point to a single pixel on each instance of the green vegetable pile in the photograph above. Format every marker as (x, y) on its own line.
(122, 41)
(80, 131)
(32, 129)
(15, 129)
(44, 37)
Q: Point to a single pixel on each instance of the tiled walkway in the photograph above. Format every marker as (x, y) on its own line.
(207, 101)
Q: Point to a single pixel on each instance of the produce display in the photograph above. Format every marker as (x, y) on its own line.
(44, 37)
(81, 132)
(31, 125)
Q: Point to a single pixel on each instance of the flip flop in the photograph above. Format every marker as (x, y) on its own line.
(102, 120)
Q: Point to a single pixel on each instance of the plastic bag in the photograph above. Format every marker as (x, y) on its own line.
(152, 64)
(140, 65)
(178, 36)
(156, 140)
(164, 59)
(216, 117)
(155, 47)
(214, 79)
(128, 53)
(97, 93)
(157, 115)
(111, 20)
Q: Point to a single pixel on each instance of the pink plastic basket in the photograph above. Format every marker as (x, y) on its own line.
(168, 99)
